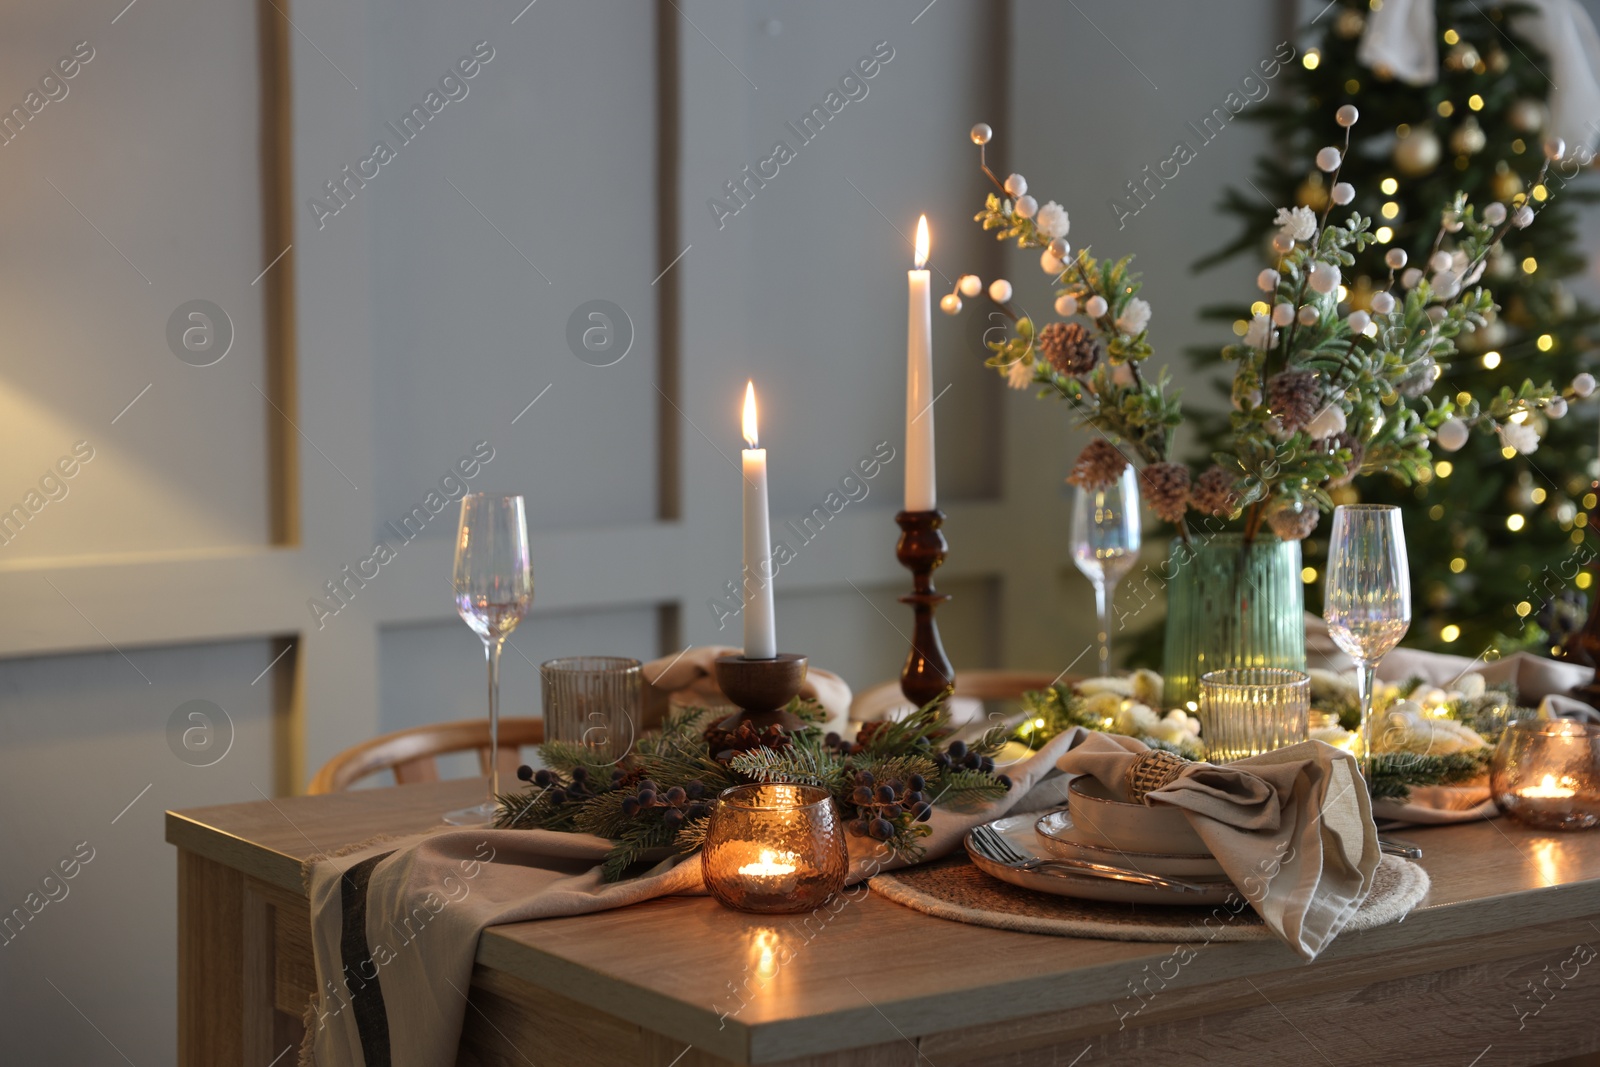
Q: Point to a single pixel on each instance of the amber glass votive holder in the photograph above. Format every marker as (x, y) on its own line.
(774, 848)
(1546, 772)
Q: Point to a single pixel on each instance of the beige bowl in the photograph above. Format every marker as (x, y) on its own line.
(1057, 834)
(1100, 819)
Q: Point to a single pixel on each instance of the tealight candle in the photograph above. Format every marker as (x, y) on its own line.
(1546, 772)
(774, 848)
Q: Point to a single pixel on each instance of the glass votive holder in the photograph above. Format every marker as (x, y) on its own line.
(774, 848)
(1546, 772)
(592, 701)
(1245, 711)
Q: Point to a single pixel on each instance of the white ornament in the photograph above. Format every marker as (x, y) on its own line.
(1346, 116)
(1382, 303)
(950, 303)
(1325, 423)
(1328, 160)
(1027, 207)
(1051, 263)
(1096, 306)
(1053, 222)
(1451, 221)
(1019, 375)
(1440, 260)
(1000, 291)
(1554, 149)
(1135, 317)
(982, 134)
(1410, 278)
(1395, 258)
(1298, 222)
(1260, 335)
(1446, 284)
(1282, 243)
(1267, 280)
(1436, 314)
(1522, 218)
(1494, 214)
(1324, 277)
(1583, 384)
(1016, 185)
(1066, 304)
(1308, 315)
(1520, 436)
(1556, 407)
(1452, 435)
(970, 285)
(1059, 246)
(1343, 193)
(1283, 314)
(1358, 321)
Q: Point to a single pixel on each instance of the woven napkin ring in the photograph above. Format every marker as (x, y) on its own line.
(1152, 770)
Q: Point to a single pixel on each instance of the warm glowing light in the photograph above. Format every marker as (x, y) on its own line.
(1491, 360)
(1308, 574)
(1352, 87)
(1458, 565)
(1311, 59)
(1449, 633)
(1390, 209)
(922, 241)
(1344, 294)
(1451, 37)
(1038, 724)
(1530, 265)
(1446, 108)
(1590, 500)
(1546, 342)
(1389, 186)
(1520, 417)
(1384, 235)
(1515, 522)
(1549, 788)
(1191, 705)
(1538, 495)
(1240, 327)
(1444, 468)
(1508, 453)
(1540, 193)
(1463, 398)
(770, 865)
(1584, 580)
(751, 438)
(1475, 102)
(1260, 307)
(1436, 512)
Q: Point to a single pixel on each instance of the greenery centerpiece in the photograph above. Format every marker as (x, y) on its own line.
(1322, 394)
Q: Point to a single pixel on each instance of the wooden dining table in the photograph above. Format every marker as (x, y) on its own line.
(1494, 969)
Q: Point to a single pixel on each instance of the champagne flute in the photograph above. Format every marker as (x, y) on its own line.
(1367, 599)
(1105, 544)
(494, 588)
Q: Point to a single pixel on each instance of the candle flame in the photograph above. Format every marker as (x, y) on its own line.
(750, 436)
(922, 242)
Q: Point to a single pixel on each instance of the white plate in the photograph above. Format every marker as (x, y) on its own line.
(1059, 837)
(1019, 831)
(1102, 819)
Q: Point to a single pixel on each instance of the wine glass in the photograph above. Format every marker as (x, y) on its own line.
(1105, 544)
(494, 588)
(1367, 599)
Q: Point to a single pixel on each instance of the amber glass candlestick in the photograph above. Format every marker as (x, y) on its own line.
(927, 672)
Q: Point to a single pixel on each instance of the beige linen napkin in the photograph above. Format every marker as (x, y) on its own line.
(395, 924)
(1293, 828)
(688, 679)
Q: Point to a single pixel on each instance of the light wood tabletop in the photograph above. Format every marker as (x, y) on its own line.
(869, 982)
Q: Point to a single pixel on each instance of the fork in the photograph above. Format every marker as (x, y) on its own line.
(992, 845)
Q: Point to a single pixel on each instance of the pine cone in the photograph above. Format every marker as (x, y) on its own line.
(1099, 464)
(1166, 489)
(1214, 493)
(724, 744)
(1293, 522)
(1358, 452)
(1293, 397)
(1068, 348)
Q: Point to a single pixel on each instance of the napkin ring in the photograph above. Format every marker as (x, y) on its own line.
(1152, 770)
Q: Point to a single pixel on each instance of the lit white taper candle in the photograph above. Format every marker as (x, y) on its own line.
(920, 492)
(760, 637)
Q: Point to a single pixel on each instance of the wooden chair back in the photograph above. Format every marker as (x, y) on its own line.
(982, 685)
(412, 754)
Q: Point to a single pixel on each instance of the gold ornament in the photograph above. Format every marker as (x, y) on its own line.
(1312, 193)
(1468, 138)
(1505, 184)
(1497, 61)
(1349, 24)
(1461, 57)
(1417, 152)
(1526, 115)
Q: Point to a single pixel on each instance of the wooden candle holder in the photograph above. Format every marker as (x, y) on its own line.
(927, 673)
(762, 689)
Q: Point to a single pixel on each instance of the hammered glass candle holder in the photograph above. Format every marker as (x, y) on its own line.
(774, 848)
(1546, 773)
(1250, 710)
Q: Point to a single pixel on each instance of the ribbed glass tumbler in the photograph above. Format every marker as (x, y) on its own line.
(592, 701)
(1250, 710)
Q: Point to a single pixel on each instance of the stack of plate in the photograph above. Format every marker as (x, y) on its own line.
(1097, 828)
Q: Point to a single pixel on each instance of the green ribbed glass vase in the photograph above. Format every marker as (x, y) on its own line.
(1230, 604)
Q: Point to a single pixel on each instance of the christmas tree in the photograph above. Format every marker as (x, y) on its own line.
(1496, 538)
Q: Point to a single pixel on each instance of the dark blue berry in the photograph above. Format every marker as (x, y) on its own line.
(1003, 779)
(882, 829)
(865, 778)
(942, 761)
(525, 772)
(630, 805)
(618, 774)
(891, 811)
(913, 796)
(676, 795)
(695, 789)
(648, 784)
(544, 777)
(647, 796)
(918, 783)
(857, 827)
(558, 796)
(580, 774)
(673, 819)
(696, 810)
(885, 793)
(958, 749)
(861, 795)
(925, 813)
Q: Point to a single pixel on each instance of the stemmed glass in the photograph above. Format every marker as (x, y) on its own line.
(1367, 600)
(1105, 544)
(494, 588)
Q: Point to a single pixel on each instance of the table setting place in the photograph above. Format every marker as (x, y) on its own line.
(1257, 787)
